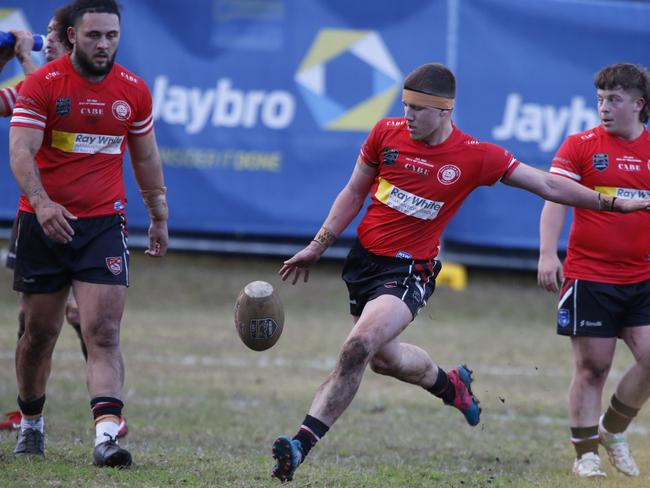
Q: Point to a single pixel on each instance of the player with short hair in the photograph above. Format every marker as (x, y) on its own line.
(55, 47)
(605, 281)
(71, 125)
(418, 169)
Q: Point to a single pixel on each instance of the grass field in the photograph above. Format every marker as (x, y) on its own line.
(203, 410)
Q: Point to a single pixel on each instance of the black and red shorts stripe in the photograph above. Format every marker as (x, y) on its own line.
(368, 276)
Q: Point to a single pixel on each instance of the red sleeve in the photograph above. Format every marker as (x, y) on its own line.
(30, 109)
(566, 163)
(143, 119)
(9, 95)
(498, 163)
(370, 150)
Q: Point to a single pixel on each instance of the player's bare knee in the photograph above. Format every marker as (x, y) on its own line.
(354, 354)
(103, 335)
(381, 365)
(594, 373)
(643, 361)
(38, 336)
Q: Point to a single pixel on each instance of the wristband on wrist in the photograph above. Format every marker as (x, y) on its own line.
(606, 203)
(325, 237)
(156, 203)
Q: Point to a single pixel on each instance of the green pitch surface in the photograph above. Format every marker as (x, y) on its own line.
(203, 410)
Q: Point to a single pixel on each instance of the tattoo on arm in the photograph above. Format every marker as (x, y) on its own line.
(34, 190)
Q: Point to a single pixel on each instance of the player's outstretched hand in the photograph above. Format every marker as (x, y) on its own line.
(158, 239)
(299, 264)
(550, 274)
(626, 206)
(54, 221)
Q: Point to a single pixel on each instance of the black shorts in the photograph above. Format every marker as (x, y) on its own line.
(593, 309)
(98, 253)
(369, 276)
(10, 261)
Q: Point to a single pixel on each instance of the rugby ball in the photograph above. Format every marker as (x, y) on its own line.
(259, 315)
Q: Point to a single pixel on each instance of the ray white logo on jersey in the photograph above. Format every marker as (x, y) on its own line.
(547, 125)
(406, 202)
(222, 106)
(87, 143)
(627, 193)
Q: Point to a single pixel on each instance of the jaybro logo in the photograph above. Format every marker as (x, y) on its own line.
(114, 265)
(448, 174)
(121, 110)
(334, 53)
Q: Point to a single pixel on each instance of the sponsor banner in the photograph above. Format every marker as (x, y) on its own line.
(260, 108)
(525, 75)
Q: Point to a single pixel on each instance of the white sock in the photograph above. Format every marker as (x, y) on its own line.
(104, 429)
(36, 424)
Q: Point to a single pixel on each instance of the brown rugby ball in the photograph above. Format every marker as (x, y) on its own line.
(259, 315)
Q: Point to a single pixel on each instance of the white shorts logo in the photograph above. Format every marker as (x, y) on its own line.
(121, 110)
(448, 174)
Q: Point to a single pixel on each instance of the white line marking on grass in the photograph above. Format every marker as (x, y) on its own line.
(321, 364)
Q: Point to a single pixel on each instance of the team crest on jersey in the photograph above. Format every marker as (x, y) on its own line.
(390, 155)
(63, 106)
(600, 161)
(448, 174)
(121, 110)
(114, 265)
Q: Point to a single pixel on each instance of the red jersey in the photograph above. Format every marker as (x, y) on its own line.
(86, 126)
(606, 246)
(420, 187)
(9, 95)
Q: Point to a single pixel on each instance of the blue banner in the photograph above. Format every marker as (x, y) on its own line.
(525, 75)
(261, 105)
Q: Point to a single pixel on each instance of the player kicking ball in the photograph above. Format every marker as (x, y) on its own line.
(417, 169)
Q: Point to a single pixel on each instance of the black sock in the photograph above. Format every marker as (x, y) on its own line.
(31, 407)
(102, 406)
(443, 388)
(311, 431)
(618, 416)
